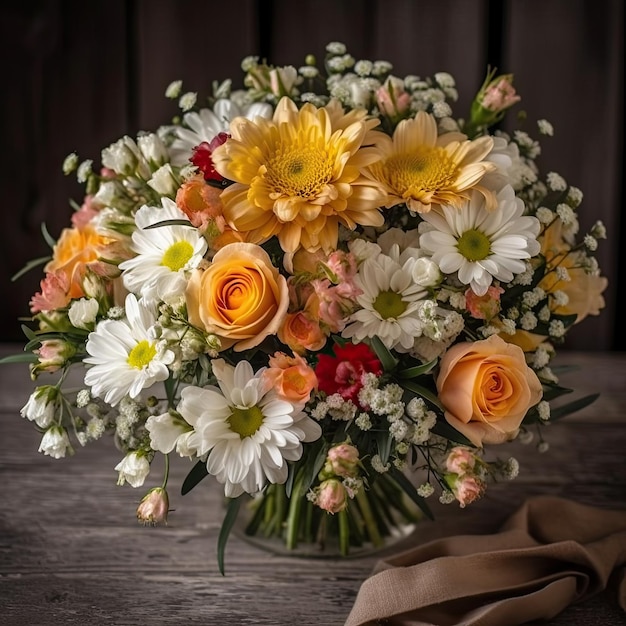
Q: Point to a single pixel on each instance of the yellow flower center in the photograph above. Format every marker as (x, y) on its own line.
(424, 170)
(177, 255)
(474, 245)
(245, 422)
(141, 354)
(389, 304)
(299, 171)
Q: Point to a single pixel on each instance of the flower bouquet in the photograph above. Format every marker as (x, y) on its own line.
(324, 289)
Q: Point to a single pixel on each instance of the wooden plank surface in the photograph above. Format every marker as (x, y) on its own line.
(72, 553)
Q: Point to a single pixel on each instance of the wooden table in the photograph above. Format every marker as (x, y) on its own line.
(72, 552)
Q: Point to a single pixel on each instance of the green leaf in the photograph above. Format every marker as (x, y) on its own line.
(47, 236)
(197, 473)
(572, 407)
(554, 392)
(383, 440)
(417, 370)
(316, 466)
(29, 332)
(421, 391)
(232, 511)
(19, 358)
(411, 491)
(387, 360)
(29, 266)
(168, 223)
(443, 429)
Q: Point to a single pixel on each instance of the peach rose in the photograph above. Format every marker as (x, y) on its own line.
(301, 333)
(241, 297)
(76, 250)
(486, 388)
(202, 205)
(292, 377)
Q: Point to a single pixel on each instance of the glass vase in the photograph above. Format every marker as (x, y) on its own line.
(292, 525)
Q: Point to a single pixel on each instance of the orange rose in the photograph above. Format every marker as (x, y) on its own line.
(75, 250)
(240, 297)
(486, 388)
(202, 205)
(301, 333)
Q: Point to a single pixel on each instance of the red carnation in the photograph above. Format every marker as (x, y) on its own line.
(203, 160)
(343, 373)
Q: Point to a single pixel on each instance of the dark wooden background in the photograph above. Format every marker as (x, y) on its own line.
(78, 75)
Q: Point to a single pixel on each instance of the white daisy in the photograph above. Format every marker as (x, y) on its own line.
(125, 354)
(206, 124)
(480, 245)
(247, 431)
(165, 254)
(390, 302)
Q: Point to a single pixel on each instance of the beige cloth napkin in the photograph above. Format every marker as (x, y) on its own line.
(550, 553)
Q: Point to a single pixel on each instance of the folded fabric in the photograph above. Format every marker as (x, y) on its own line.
(549, 554)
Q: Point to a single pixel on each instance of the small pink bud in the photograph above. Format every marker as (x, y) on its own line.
(154, 507)
(468, 489)
(460, 460)
(53, 354)
(332, 496)
(500, 94)
(343, 460)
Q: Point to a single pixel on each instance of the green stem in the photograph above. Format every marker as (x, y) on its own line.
(344, 532)
(269, 500)
(166, 471)
(368, 518)
(281, 508)
(293, 517)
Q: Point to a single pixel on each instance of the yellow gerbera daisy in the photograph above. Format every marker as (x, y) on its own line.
(299, 175)
(419, 167)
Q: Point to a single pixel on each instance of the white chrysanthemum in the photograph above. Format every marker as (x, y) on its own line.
(247, 431)
(389, 302)
(206, 124)
(125, 354)
(480, 245)
(165, 254)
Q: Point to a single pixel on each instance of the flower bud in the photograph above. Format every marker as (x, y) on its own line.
(164, 182)
(426, 272)
(53, 354)
(343, 460)
(499, 94)
(41, 406)
(392, 99)
(122, 157)
(83, 313)
(133, 469)
(154, 507)
(282, 80)
(55, 442)
(460, 460)
(332, 496)
(494, 98)
(153, 149)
